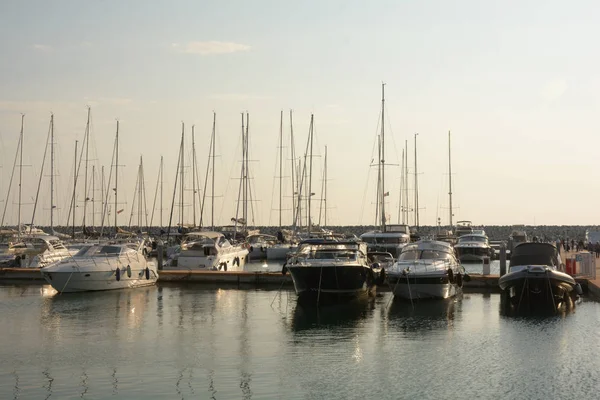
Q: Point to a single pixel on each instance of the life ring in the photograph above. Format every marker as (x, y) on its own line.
(118, 274)
(236, 261)
(450, 276)
(129, 271)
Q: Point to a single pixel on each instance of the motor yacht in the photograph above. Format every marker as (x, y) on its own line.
(331, 270)
(474, 247)
(210, 251)
(102, 267)
(426, 269)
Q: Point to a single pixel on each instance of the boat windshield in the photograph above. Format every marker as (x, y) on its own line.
(470, 238)
(99, 251)
(334, 255)
(386, 239)
(412, 255)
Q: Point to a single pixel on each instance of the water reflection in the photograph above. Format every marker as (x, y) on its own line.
(508, 308)
(348, 314)
(424, 315)
(48, 385)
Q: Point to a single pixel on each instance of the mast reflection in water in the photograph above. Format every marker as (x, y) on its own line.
(190, 341)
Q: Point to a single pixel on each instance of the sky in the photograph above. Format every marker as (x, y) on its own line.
(516, 82)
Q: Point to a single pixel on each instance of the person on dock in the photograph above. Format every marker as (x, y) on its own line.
(597, 249)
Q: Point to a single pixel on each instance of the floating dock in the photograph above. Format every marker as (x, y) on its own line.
(261, 279)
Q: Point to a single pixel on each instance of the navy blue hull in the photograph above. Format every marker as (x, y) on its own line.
(331, 282)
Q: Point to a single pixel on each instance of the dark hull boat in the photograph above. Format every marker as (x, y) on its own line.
(324, 270)
(332, 282)
(534, 284)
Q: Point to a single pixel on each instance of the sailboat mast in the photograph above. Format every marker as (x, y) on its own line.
(310, 171)
(161, 191)
(193, 176)
(378, 200)
(93, 196)
(323, 184)
(325, 220)
(245, 205)
(416, 187)
(85, 180)
(20, 176)
(102, 202)
(51, 173)
(450, 178)
(212, 203)
(293, 157)
(74, 186)
(116, 211)
(400, 202)
(140, 192)
(406, 205)
(181, 173)
(382, 157)
(280, 164)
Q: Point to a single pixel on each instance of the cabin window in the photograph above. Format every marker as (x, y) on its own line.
(409, 255)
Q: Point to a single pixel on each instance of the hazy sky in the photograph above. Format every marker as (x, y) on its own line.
(517, 83)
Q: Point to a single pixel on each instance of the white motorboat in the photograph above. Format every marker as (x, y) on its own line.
(258, 244)
(208, 250)
(392, 239)
(35, 251)
(463, 228)
(102, 267)
(280, 251)
(426, 269)
(473, 247)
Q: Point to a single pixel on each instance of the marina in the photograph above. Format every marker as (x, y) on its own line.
(326, 200)
(181, 341)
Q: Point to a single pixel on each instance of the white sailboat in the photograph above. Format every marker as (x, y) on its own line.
(388, 238)
(286, 240)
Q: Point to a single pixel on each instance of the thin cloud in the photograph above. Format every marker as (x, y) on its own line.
(554, 90)
(238, 96)
(209, 47)
(43, 48)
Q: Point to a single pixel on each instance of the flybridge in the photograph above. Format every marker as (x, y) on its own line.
(398, 228)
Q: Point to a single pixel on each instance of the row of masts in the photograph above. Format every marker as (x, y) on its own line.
(404, 207)
(301, 181)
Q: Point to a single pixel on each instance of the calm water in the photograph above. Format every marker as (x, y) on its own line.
(190, 341)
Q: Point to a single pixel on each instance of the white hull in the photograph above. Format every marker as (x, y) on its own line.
(76, 281)
(233, 260)
(280, 252)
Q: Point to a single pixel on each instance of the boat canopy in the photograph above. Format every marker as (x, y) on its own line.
(209, 234)
(532, 253)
